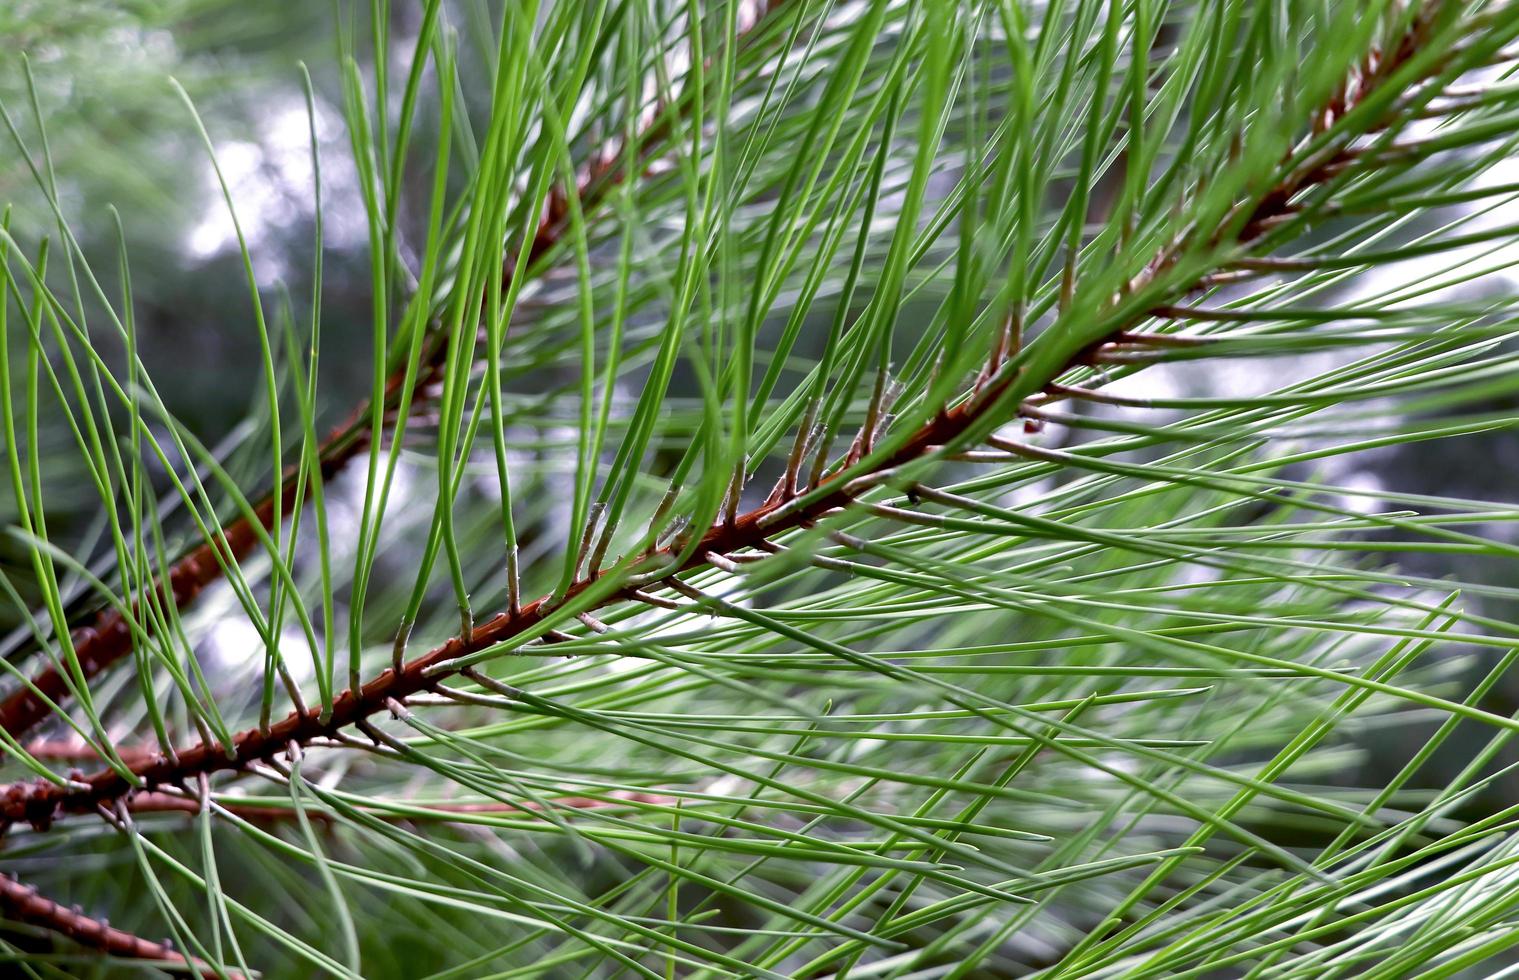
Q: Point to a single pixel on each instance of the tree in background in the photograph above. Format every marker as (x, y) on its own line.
(837, 489)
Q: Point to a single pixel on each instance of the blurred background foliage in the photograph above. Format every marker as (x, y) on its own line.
(99, 74)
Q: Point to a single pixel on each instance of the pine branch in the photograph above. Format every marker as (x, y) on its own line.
(108, 638)
(999, 395)
(59, 750)
(22, 903)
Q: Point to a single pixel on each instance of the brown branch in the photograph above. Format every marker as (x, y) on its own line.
(108, 638)
(38, 802)
(22, 903)
(59, 750)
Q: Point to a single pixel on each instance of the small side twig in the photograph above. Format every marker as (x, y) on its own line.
(22, 903)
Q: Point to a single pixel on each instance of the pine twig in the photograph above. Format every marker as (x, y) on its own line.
(60, 750)
(22, 903)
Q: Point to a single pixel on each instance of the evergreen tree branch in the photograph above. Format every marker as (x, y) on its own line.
(21, 903)
(1000, 394)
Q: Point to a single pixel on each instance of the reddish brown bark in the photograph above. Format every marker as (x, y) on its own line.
(22, 903)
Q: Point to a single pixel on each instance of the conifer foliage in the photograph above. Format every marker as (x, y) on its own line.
(846, 488)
